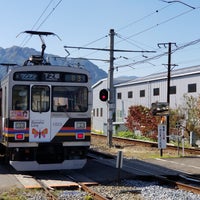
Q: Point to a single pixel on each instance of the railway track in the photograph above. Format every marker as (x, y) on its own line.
(50, 182)
(120, 142)
(87, 189)
(71, 183)
(172, 181)
(63, 180)
(47, 190)
(189, 187)
(185, 182)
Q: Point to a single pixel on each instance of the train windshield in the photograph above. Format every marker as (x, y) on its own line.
(40, 98)
(20, 97)
(70, 99)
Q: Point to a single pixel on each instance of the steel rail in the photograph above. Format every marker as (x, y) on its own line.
(95, 195)
(164, 179)
(87, 189)
(47, 190)
(188, 188)
(125, 141)
(179, 185)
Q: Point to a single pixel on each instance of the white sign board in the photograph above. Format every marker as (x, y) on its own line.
(162, 139)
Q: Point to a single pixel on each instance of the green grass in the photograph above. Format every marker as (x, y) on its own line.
(13, 194)
(131, 135)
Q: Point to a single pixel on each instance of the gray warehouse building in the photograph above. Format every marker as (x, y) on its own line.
(145, 91)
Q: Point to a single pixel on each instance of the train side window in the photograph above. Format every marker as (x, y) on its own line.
(70, 99)
(20, 97)
(40, 98)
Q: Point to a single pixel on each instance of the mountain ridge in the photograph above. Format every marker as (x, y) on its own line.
(19, 55)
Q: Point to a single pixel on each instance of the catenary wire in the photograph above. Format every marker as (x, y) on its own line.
(163, 54)
(27, 39)
(126, 26)
(150, 28)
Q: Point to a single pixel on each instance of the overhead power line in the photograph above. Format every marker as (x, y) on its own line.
(41, 15)
(53, 9)
(27, 38)
(156, 25)
(163, 54)
(130, 24)
(142, 18)
(116, 50)
(142, 31)
(104, 60)
(179, 2)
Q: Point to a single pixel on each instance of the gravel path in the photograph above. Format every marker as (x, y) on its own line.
(134, 189)
(141, 190)
(126, 190)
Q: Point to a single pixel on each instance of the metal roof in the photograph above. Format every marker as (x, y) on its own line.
(163, 75)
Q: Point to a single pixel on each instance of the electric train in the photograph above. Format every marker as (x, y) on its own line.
(45, 115)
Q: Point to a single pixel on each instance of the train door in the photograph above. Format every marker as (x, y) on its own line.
(40, 113)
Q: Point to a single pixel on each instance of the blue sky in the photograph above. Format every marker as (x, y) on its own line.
(139, 26)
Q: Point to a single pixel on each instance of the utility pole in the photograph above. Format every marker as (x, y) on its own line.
(110, 84)
(168, 78)
(111, 100)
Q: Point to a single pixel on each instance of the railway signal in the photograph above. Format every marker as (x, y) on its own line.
(103, 95)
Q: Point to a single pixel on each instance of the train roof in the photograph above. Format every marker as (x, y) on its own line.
(6, 71)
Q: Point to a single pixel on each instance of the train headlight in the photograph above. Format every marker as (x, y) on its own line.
(19, 136)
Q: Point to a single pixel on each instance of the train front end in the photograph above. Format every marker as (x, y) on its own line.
(46, 118)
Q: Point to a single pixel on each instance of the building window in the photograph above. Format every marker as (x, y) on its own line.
(119, 95)
(172, 90)
(97, 112)
(101, 112)
(94, 112)
(192, 87)
(142, 93)
(130, 94)
(156, 91)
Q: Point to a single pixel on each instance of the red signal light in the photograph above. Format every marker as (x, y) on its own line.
(103, 95)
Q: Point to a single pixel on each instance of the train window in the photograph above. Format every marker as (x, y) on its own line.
(70, 99)
(40, 98)
(20, 97)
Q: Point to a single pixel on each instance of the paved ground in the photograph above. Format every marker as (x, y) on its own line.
(190, 165)
(7, 179)
(95, 171)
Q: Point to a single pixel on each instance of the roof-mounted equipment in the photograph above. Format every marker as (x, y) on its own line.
(39, 59)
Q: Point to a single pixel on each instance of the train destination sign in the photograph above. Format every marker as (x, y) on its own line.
(50, 76)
